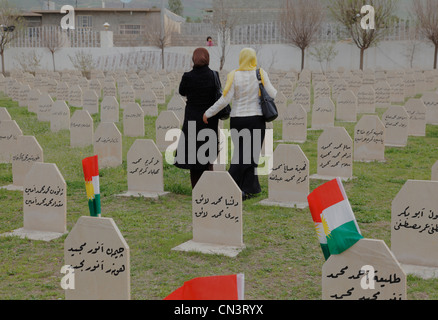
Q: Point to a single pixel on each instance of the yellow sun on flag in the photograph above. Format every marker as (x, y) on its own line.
(325, 226)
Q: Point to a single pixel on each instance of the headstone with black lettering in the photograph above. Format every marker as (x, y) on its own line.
(145, 170)
(32, 100)
(149, 103)
(414, 229)
(90, 101)
(108, 145)
(75, 96)
(346, 106)
(109, 109)
(166, 121)
(366, 271)
(81, 129)
(217, 216)
(60, 117)
(366, 99)
(44, 107)
(133, 120)
(396, 121)
(302, 96)
(294, 124)
(321, 90)
(430, 100)
(335, 155)
(9, 133)
(177, 105)
(158, 89)
(323, 114)
(288, 182)
(100, 257)
(397, 90)
(27, 152)
(417, 117)
(383, 94)
(369, 139)
(127, 95)
(23, 93)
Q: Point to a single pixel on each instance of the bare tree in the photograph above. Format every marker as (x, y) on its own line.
(224, 22)
(347, 12)
(161, 39)
(28, 61)
(301, 22)
(427, 14)
(83, 62)
(11, 23)
(54, 42)
(324, 52)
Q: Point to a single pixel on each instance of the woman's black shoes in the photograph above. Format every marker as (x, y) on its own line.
(246, 196)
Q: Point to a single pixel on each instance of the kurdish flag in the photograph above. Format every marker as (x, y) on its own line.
(91, 174)
(228, 287)
(334, 219)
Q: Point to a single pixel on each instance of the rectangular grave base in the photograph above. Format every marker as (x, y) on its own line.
(143, 194)
(34, 234)
(272, 203)
(12, 187)
(329, 178)
(420, 271)
(393, 145)
(209, 248)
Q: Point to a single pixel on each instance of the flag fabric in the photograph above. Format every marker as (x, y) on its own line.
(334, 219)
(91, 175)
(228, 287)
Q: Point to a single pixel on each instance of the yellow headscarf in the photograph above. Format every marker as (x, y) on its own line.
(247, 62)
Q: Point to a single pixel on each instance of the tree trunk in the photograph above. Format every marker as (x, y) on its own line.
(302, 58)
(3, 62)
(53, 61)
(162, 58)
(362, 51)
(435, 59)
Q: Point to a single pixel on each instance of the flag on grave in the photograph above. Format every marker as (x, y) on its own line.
(91, 174)
(228, 287)
(334, 219)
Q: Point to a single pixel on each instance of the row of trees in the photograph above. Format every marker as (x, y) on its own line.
(302, 19)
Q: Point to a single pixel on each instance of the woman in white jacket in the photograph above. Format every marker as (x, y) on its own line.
(246, 120)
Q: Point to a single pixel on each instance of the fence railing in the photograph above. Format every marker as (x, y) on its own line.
(264, 33)
(55, 36)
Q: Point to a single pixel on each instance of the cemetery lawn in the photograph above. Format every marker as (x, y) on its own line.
(282, 259)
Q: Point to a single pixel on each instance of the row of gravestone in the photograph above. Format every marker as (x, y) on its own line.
(229, 215)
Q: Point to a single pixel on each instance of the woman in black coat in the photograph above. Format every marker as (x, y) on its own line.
(199, 87)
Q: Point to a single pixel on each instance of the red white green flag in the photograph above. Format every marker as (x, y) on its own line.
(334, 219)
(91, 174)
(228, 287)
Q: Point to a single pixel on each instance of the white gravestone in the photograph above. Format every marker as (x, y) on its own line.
(369, 139)
(90, 101)
(302, 96)
(288, 182)
(366, 271)
(217, 216)
(60, 117)
(414, 227)
(149, 103)
(9, 133)
(145, 170)
(335, 155)
(27, 152)
(323, 114)
(81, 129)
(366, 99)
(383, 94)
(133, 120)
(108, 145)
(417, 117)
(294, 124)
(178, 106)
(44, 107)
(430, 100)
(100, 257)
(346, 106)
(109, 109)
(396, 121)
(167, 120)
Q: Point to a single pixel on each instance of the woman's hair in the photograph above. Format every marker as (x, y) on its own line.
(201, 57)
(209, 38)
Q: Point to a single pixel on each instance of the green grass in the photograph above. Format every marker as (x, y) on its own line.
(282, 259)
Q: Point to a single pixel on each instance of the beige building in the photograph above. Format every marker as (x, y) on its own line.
(130, 27)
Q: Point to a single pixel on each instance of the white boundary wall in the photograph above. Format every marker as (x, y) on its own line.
(387, 55)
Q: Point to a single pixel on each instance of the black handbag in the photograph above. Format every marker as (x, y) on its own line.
(269, 109)
(224, 114)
